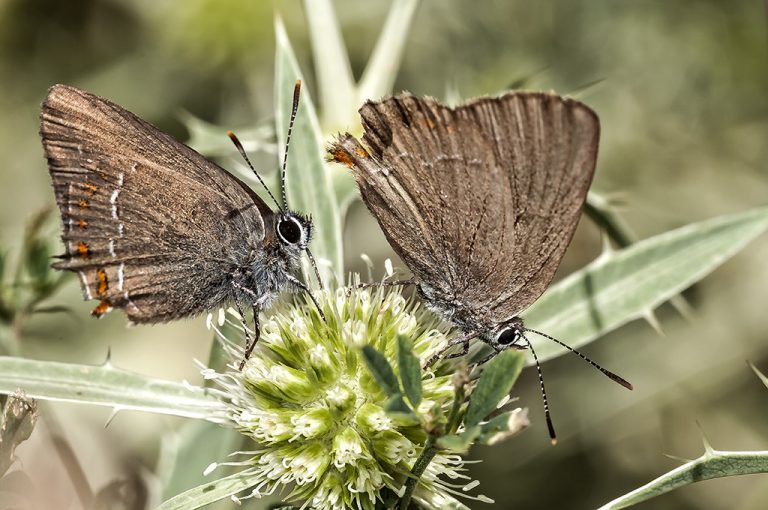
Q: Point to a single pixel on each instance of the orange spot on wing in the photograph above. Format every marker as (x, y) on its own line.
(340, 155)
(83, 250)
(101, 309)
(450, 129)
(362, 153)
(90, 188)
(103, 284)
(83, 224)
(430, 124)
(83, 204)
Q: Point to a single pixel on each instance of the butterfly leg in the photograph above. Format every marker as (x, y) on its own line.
(250, 345)
(299, 284)
(249, 342)
(464, 350)
(462, 340)
(394, 283)
(487, 358)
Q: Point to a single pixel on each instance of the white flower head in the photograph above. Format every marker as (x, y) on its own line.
(315, 412)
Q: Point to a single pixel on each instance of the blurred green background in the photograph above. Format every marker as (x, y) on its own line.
(681, 91)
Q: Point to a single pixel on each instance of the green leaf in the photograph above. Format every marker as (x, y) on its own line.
(211, 492)
(107, 386)
(397, 406)
(308, 184)
(381, 71)
(385, 377)
(502, 427)
(410, 370)
(459, 443)
(382, 371)
(629, 283)
(713, 464)
(496, 382)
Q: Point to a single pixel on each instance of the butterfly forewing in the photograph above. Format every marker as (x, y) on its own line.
(148, 222)
(480, 201)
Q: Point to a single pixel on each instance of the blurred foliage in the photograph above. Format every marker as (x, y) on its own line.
(23, 289)
(680, 90)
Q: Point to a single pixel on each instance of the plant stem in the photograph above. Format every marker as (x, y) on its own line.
(430, 450)
(427, 454)
(460, 379)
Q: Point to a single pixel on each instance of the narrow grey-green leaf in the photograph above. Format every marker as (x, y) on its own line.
(614, 290)
(211, 492)
(344, 187)
(382, 371)
(762, 376)
(410, 370)
(106, 386)
(495, 383)
(599, 210)
(381, 71)
(186, 453)
(713, 464)
(308, 184)
(334, 73)
(502, 427)
(212, 140)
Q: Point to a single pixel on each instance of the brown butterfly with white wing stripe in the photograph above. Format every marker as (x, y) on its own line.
(153, 227)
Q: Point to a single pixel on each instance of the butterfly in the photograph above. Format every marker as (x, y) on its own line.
(479, 201)
(152, 227)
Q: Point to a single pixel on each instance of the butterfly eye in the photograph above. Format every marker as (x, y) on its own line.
(508, 336)
(290, 230)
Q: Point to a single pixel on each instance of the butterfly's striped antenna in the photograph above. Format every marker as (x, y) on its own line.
(608, 373)
(314, 266)
(241, 150)
(296, 94)
(552, 435)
